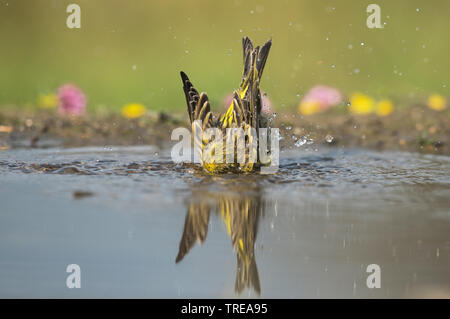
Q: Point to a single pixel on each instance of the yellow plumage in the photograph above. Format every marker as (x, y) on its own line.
(244, 112)
(240, 215)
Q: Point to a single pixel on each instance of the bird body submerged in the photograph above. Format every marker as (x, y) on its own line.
(244, 113)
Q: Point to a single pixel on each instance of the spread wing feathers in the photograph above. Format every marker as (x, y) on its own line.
(247, 275)
(263, 53)
(247, 47)
(254, 59)
(195, 228)
(241, 218)
(241, 107)
(198, 105)
(246, 105)
(254, 62)
(237, 113)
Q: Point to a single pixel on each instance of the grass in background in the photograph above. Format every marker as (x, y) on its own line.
(132, 51)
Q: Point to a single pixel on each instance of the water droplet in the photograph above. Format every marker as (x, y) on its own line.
(300, 142)
(303, 140)
(329, 138)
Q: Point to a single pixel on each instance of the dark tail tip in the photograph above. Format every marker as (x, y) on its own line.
(179, 258)
(184, 77)
(263, 53)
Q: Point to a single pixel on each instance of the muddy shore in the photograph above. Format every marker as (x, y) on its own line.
(414, 129)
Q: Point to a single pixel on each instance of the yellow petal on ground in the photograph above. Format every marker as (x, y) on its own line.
(133, 110)
(309, 107)
(437, 102)
(6, 129)
(384, 107)
(361, 103)
(47, 101)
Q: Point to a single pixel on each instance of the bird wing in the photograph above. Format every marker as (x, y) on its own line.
(198, 105)
(195, 228)
(246, 105)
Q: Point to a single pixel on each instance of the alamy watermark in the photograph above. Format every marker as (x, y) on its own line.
(74, 279)
(74, 19)
(374, 279)
(374, 19)
(237, 146)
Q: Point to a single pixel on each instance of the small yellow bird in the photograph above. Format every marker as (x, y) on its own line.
(244, 112)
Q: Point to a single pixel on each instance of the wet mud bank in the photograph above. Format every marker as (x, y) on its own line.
(410, 130)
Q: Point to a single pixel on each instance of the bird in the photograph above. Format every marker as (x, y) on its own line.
(243, 112)
(240, 215)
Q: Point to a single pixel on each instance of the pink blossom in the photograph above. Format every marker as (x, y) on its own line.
(266, 105)
(325, 96)
(227, 100)
(72, 100)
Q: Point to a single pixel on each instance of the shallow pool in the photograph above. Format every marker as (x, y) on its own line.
(139, 225)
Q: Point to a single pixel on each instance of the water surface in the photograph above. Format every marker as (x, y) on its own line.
(139, 225)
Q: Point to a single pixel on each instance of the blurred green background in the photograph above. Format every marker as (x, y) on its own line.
(132, 51)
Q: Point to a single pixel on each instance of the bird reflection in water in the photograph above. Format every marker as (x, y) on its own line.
(240, 213)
